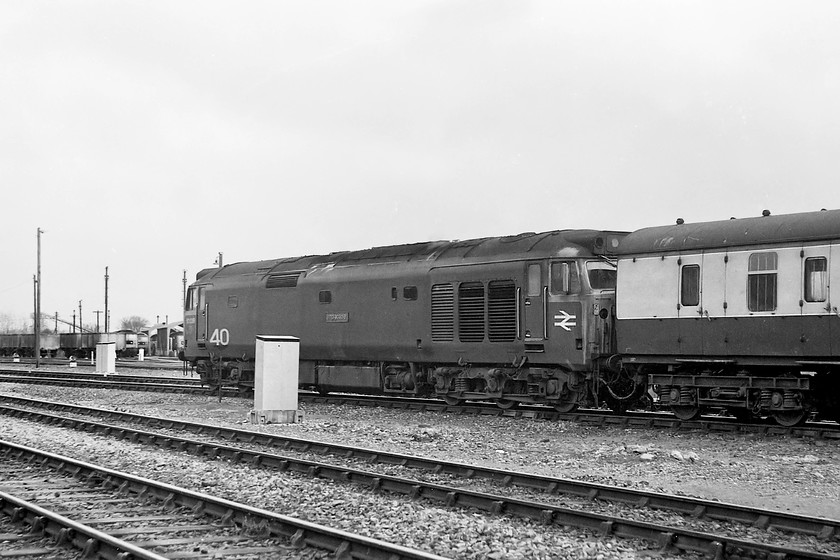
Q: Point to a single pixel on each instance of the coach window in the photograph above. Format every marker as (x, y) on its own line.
(761, 282)
(690, 285)
(816, 279)
(564, 278)
(325, 296)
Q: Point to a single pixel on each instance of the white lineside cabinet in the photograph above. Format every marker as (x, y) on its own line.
(276, 380)
(106, 357)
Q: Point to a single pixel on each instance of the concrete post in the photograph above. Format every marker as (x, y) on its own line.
(276, 380)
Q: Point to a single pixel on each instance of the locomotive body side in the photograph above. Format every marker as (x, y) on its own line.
(735, 314)
(519, 319)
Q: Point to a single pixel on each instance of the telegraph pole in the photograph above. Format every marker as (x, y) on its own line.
(80, 315)
(97, 320)
(38, 305)
(184, 297)
(35, 306)
(106, 300)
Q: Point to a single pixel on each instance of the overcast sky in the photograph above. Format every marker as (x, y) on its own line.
(149, 136)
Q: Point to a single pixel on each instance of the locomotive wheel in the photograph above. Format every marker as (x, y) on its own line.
(453, 401)
(505, 404)
(790, 418)
(686, 412)
(568, 403)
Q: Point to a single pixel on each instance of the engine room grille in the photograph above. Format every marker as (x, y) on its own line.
(471, 312)
(501, 309)
(443, 313)
(282, 280)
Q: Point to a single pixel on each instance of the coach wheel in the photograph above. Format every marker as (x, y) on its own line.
(505, 404)
(453, 401)
(686, 412)
(790, 418)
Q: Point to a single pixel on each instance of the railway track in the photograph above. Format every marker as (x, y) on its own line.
(60, 503)
(161, 363)
(653, 420)
(709, 527)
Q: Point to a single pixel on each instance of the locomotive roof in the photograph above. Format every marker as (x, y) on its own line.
(784, 228)
(523, 245)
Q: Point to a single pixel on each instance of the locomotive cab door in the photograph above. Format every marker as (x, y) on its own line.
(535, 302)
(201, 314)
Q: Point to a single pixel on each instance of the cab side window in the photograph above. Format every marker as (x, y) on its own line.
(534, 280)
(189, 305)
(565, 278)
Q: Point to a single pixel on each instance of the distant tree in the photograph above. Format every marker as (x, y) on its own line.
(134, 323)
(6, 323)
(15, 324)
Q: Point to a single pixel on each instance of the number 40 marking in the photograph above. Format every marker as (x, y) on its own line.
(220, 337)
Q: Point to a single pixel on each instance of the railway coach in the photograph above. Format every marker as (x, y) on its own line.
(737, 314)
(526, 318)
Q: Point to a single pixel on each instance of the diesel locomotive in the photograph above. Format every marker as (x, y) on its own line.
(526, 318)
(735, 314)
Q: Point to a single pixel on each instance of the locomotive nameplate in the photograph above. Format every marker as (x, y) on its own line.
(338, 317)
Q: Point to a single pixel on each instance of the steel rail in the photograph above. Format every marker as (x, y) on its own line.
(298, 531)
(66, 531)
(665, 536)
(830, 431)
(823, 528)
(85, 376)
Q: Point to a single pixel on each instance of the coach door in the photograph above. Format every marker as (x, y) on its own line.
(833, 305)
(814, 302)
(535, 302)
(690, 310)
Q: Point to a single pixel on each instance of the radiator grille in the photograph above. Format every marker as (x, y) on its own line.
(471, 312)
(501, 309)
(443, 313)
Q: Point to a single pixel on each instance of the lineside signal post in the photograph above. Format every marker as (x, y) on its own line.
(276, 380)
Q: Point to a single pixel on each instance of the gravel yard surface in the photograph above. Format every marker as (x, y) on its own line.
(789, 474)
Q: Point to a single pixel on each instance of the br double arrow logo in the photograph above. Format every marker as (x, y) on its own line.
(565, 321)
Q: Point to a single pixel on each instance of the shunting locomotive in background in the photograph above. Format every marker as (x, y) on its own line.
(526, 318)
